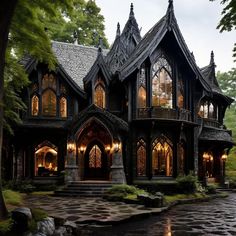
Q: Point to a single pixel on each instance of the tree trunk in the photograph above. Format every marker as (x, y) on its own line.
(7, 8)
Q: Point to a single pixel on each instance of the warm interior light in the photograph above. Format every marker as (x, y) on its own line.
(82, 149)
(70, 146)
(205, 155)
(224, 157)
(108, 148)
(116, 146)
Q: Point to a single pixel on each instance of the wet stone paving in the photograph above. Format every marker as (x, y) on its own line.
(216, 217)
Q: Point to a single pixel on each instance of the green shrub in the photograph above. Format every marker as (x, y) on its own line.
(5, 226)
(12, 197)
(211, 189)
(187, 183)
(25, 186)
(38, 214)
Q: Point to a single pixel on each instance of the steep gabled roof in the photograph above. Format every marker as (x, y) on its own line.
(209, 76)
(153, 38)
(76, 60)
(98, 65)
(124, 44)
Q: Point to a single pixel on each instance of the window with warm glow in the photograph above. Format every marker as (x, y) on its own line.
(95, 157)
(99, 96)
(49, 102)
(142, 94)
(180, 94)
(63, 107)
(49, 81)
(181, 158)
(208, 110)
(34, 105)
(162, 158)
(141, 158)
(162, 84)
(46, 160)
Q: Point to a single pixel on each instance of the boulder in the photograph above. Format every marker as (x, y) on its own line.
(21, 218)
(151, 200)
(46, 226)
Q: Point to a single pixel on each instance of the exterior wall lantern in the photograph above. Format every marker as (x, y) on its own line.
(224, 157)
(205, 156)
(82, 149)
(116, 146)
(70, 146)
(108, 149)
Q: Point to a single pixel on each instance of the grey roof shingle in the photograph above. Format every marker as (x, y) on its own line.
(76, 60)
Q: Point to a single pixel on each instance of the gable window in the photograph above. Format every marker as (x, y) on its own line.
(180, 93)
(95, 157)
(162, 157)
(208, 110)
(63, 107)
(142, 94)
(162, 84)
(35, 105)
(49, 103)
(141, 158)
(99, 94)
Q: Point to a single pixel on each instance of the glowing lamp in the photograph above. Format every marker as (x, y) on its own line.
(224, 157)
(82, 149)
(116, 146)
(70, 146)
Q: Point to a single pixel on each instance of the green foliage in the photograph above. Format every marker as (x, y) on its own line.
(187, 183)
(38, 214)
(5, 226)
(12, 197)
(21, 186)
(211, 189)
(173, 198)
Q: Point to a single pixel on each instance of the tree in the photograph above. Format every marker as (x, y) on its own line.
(228, 20)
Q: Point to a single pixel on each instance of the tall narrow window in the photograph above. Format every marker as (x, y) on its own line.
(95, 157)
(208, 110)
(181, 157)
(162, 84)
(63, 107)
(99, 96)
(180, 93)
(142, 94)
(49, 81)
(162, 158)
(141, 158)
(35, 106)
(49, 103)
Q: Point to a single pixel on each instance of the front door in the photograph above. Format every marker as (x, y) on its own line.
(96, 164)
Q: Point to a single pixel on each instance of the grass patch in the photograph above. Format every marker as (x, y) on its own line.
(5, 226)
(38, 214)
(172, 198)
(12, 197)
(42, 193)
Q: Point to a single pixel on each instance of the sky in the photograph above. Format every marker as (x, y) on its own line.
(197, 20)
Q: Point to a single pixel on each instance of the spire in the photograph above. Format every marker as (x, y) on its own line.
(118, 30)
(131, 14)
(212, 61)
(100, 45)
(169, 13)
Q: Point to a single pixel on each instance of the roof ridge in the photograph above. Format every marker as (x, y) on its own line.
(76, 45)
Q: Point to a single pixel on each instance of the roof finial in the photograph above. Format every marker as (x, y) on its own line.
(118, 30)
(100, 45)
(169, 13)
(131, 10)
(212, 61)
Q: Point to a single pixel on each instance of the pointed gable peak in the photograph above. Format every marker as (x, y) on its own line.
(118, 30)
(170, 13)
(131, 14)
(212, 60)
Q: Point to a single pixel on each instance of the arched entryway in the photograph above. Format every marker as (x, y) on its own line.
(94, 143)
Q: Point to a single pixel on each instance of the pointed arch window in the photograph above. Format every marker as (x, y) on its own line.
(162, 84)
(95, 157)
(63, 107)
(35, 105)
(162, 157)
(49, 102)
(208, 110)
(49, 81)
(181, 157)
(141, 158)
(180, 93)
(100, 95)
(142, 94)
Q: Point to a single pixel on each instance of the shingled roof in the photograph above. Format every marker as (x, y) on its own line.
(76, 60)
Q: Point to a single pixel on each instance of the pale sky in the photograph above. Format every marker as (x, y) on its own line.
(197, 20)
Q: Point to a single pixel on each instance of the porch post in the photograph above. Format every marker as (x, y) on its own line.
(71, 168)
(117, 168)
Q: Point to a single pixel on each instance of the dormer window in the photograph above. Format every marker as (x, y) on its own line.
(142, 94)
(100, 94)
(49, 101)
(208, 110)
(162, 84)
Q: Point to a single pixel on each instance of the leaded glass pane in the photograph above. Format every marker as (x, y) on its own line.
(49, 103)
(141, 158)
(35, 106)
(49, 81)
(95, 157)
(63, 107)
(99, 96)
(141, 97)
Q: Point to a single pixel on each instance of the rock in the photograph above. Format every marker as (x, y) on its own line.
(151, 200)
(61, 231)
(46, 226)
(71, 227)
(21, 217)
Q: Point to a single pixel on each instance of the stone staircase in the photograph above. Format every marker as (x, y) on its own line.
(84, 189)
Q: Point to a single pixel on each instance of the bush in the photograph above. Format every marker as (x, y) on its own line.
(21, 186)
(187, 183)
(211, 189)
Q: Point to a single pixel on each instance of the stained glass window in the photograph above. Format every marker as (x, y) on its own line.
(142, 88)
(162, 158)
(141, 158)
(63, 107)
(35, 106)
(181, 157)
(99, 96)
(180, 93)
(49, 103)
(95, 157)
(49, 81)
(161, 84)
(208, 110)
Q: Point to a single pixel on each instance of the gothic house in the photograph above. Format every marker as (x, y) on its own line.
(140, 111)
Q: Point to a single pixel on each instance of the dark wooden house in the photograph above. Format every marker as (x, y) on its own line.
(142, 110)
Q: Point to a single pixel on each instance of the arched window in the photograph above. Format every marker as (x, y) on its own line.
(181, 157)
(49, 81)
(208, 110)
(95, 157)
(162, 157)
(180, 93)
(46, 160)
(141, 158)
(63, 107)
(49, 102)
(99, 96)
(142, 94)
(34, 105)
(162, 84)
